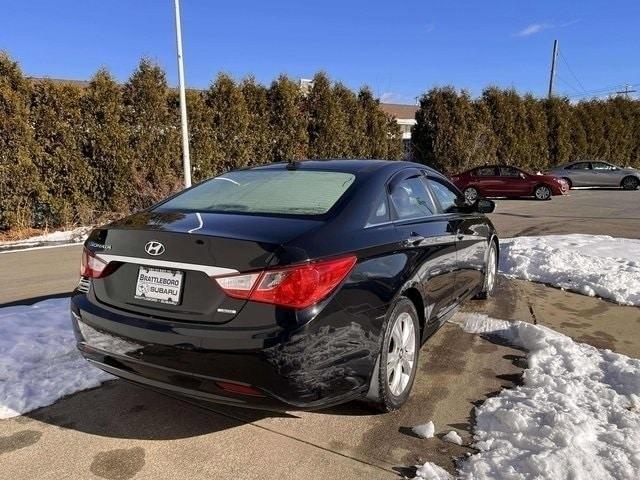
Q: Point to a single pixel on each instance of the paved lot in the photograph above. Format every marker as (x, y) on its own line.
(120, 431)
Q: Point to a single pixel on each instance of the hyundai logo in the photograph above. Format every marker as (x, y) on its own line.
(154, 248)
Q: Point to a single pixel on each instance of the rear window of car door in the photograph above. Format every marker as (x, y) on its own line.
(410, 199)
(509, 172)
(485, 172)
(579, 166)
(601, 166)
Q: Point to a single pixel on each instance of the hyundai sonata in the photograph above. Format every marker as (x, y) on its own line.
(297, 285)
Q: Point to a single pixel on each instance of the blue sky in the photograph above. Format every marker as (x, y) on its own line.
(399, 48)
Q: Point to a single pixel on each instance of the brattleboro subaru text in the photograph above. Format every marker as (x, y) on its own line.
(287, 286)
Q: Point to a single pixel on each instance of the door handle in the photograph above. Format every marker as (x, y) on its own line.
(414, 240)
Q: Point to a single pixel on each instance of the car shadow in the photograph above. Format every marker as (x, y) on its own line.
(119, 409)
(34, 300)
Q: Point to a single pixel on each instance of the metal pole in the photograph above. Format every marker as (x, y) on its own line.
(186, 161)
(553, 67)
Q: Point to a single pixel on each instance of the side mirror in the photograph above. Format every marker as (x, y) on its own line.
(485, 206)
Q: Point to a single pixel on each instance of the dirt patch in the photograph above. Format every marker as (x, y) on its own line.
(119, 464)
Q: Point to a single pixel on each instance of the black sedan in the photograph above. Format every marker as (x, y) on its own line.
(297, 285)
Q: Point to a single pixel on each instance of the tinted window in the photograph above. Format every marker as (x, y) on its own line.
(283, 192)
(601, 166)
(579, 166)
(509, 172)
(447, 197)
(410, 199)
(486, 172)
(380, 213)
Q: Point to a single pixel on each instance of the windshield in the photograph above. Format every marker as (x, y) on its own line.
(280, 192)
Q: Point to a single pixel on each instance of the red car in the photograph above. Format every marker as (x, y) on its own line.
(505, 181)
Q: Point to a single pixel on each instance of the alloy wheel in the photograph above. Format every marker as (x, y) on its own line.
(542, 192)
(471, 194)
(401, 354)
(630, 183)
(491, 269)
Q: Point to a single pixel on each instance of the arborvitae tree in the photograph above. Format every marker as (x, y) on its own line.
(375, 125)
(619, 129)
(535, 155)
(203, 146)
(21, 191)
(326, 120)
(559, 121)
(154, 136)
(288, 120)
(229, 122)
(350, 142)
(508, 123)
(395, 144)
(446, 134)
(56, 116)
(259, 133)
(105, 144)
(590, 114)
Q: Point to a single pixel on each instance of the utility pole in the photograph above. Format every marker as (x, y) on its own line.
(553, 67)
(626, 91)
(186, 160)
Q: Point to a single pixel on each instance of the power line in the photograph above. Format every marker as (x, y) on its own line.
(605, 90)
(564, 59)
(567, 84)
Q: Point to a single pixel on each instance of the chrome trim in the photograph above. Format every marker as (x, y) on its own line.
(209, 270)
(83, 285)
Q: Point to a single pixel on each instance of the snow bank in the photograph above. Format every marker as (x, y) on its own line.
(576, 416)
(77, 235)
(38, 358)
(424, 431)
(594, 265)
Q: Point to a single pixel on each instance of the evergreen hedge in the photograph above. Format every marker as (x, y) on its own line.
(78, 154)
(455, 132)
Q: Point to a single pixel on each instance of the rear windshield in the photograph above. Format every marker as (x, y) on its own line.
(280, 192)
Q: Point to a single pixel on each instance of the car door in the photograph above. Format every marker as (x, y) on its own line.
(514, 182)
(579, 174)
(489, 181)
(471, 237)
(605, 174)
(427, 240)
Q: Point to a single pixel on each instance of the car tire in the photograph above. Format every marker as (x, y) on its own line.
(630, 183)
(491, 270)
(398, 356)
(471, 194)
(542, 192)
(569, 182)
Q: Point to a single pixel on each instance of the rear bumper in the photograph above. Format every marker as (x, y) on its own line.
(313, 366)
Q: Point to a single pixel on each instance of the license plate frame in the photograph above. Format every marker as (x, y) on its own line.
(159, 285)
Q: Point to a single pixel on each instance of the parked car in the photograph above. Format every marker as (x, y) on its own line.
(598, 174)
(284, 286)
(506, 181)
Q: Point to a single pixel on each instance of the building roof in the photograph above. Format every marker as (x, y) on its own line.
(399, 110)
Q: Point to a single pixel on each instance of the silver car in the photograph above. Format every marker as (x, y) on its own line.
(598, 174)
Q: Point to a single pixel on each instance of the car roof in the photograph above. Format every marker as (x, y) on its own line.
(355, 166)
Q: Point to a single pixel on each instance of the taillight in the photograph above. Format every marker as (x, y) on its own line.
(91, 266)
(298, 286)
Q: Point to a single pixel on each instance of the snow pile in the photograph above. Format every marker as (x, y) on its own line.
(576, 416)
(589, 264)
(452, 437)
(424, 431)
(38, 358)
(77, 235)
(431, 471)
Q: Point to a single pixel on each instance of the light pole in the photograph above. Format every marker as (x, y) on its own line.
(186, 161)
